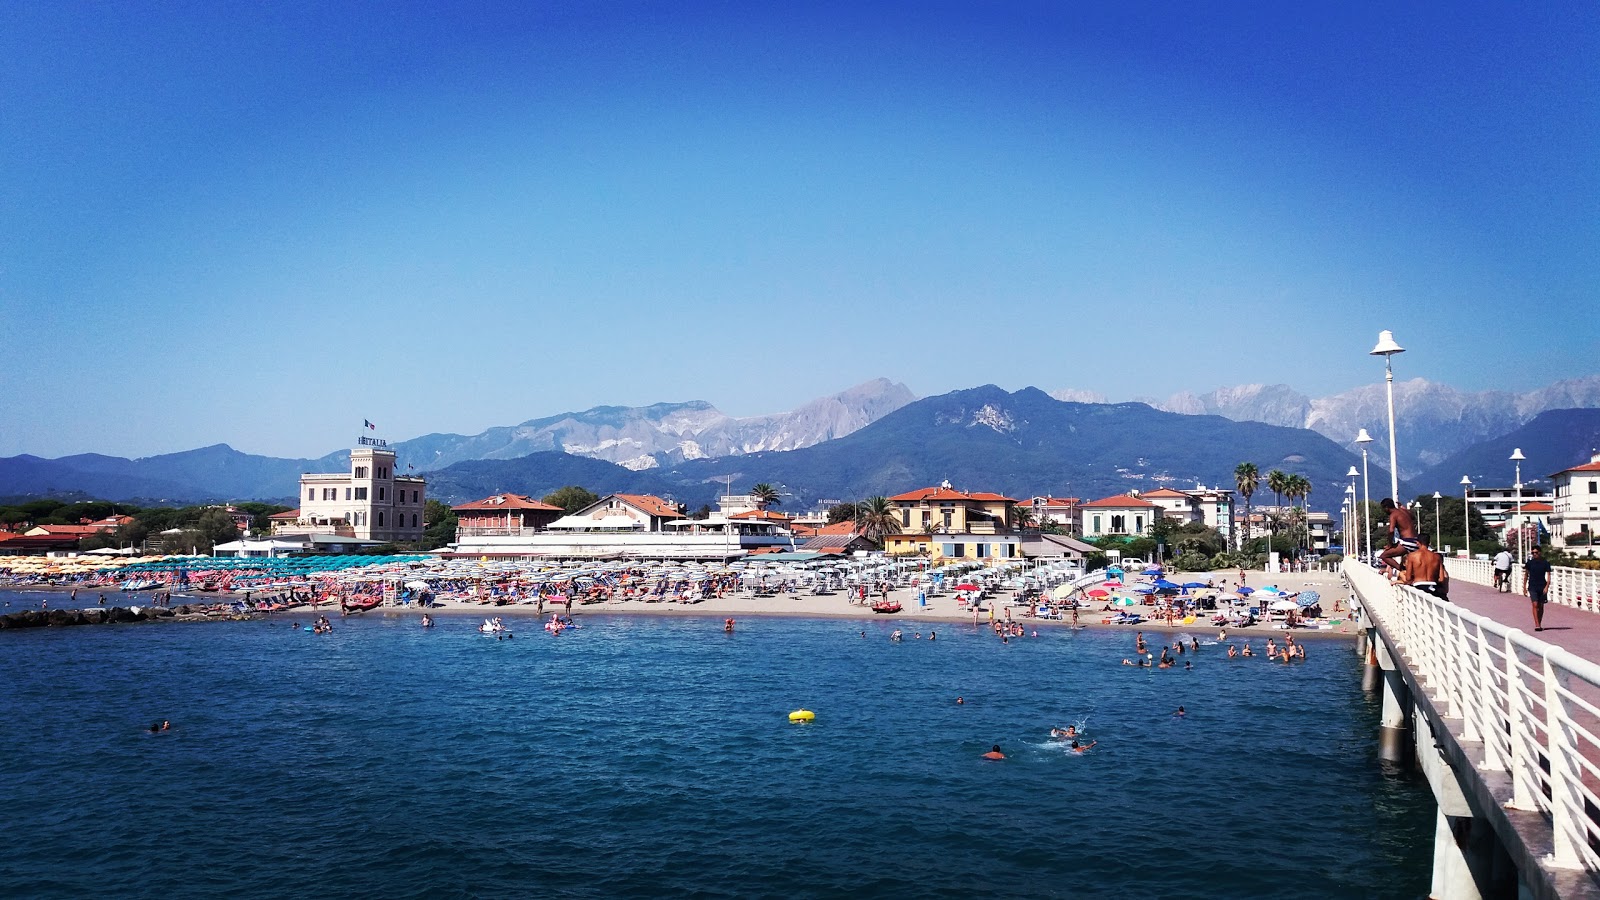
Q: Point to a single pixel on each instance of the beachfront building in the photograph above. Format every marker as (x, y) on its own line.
(504, 514)
(1575, 514)
(1496, 504)
(1058, 512)
(368, 502)
(1124, 515)
(1174, 505)
(943, 523)
(632, 526)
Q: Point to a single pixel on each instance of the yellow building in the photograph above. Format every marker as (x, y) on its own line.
(946, 524)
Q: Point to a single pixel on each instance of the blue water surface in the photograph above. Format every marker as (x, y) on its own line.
(652, 756)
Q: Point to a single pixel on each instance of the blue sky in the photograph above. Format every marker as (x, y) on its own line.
(260, 224)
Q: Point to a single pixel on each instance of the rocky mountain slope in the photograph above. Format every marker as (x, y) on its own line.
(1434, 420)
(1554, 440)
(666, 433)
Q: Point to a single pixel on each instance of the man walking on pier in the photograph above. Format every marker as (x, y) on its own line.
(1535, 583)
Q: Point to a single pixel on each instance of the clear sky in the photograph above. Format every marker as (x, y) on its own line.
(262, 223)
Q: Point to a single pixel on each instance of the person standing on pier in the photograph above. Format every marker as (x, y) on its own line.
(1535, 583)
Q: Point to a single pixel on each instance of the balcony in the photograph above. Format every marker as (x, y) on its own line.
(472, 531)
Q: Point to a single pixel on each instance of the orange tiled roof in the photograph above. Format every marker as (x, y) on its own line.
(1165, 492)
(1535, 506)
(506, 501)
(766, 515)
(944, 493)
(1121, 501)
(72, 529)
(653, 505)
(1586, 467)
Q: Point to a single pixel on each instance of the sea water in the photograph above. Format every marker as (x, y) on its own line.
(653, 755)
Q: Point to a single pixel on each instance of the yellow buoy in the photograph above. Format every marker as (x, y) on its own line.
(802, 715)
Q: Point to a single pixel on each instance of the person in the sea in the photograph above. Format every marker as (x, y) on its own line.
(1138, 642)
(1083, 748)
(166, 725)
(960, 701)
(1246, 651)
(1233, 652)
(994, 753)
(1180, 713)
(1071, 731)
(933, 635)
(427, 621)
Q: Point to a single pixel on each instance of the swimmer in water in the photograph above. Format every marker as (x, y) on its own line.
(994, 753)
(1071, 731)
(1246, 651)
(960, 701)
(1180, 713)
(1138, 642)
(1083, 748)
(1188, 665)
(933, 635)
(1222, 636)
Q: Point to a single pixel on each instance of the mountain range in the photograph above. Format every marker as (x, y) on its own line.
(1552, 441)
(876, 437)
(1435, 420)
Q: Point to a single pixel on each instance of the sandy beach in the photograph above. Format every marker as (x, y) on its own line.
(940, 609)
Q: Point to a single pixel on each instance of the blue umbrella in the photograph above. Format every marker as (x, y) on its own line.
(1247, 590)
(1308, 599)
(1194, 584)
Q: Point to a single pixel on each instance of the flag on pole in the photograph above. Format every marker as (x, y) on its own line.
(409, 466)
(369, 425)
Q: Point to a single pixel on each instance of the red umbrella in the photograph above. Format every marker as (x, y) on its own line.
(967, 586)
(1098, 593)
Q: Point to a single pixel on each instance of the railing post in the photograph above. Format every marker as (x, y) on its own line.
(1565, 800)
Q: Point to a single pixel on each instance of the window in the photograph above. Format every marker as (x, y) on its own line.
(1138, 524)
(361, 471)
(982, 550)
(381, 492)
(413, 520)
(1096, 525)
(1594, 487)
(414, 497)
(311, 493)
(947, 515)
(905, 518)
(330, 493)
(380, 518)
(960, 550)
(361, 493)
(347, 494)
(1119, 524)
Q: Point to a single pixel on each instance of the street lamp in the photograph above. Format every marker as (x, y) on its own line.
(1466, 513)
(1352, 528)
(1366, 486)
(1517, 457)
(1437, 538)
(1387, 348)
(1351, 490)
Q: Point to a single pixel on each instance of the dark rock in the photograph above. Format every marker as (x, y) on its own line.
(121, 614)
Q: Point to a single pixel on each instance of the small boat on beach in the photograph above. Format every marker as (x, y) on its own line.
(887, 606)
(358, 606)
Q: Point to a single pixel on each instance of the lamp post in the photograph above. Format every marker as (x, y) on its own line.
(1437, 538)
(1366, 487)
(1351, 491)
(1466, 514)
(1387, 348)
(1517, 457)
(1351, 529)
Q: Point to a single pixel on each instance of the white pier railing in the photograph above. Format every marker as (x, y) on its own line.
(1534, 707)
(1577, 588)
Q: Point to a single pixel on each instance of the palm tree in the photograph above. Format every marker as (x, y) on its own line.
(875, 517)
(1246, 476)
(766, 495)
(1021, 516)
(1298, 487)
(1277, 481)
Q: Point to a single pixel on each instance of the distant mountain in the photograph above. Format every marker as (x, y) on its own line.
(218, 472)
(636, 437)
(650, 436)
(1027, 442)
(1554, 440)
(1434, 420)
(538, 474)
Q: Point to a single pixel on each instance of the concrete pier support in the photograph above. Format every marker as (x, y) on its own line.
(1469, 861)
(1394, 728)
(1371, 673)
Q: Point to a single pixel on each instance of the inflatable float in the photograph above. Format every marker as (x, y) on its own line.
(802, 715)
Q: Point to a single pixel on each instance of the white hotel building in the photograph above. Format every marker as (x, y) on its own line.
(369, 502)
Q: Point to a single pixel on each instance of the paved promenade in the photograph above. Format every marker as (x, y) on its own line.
(1570, 629)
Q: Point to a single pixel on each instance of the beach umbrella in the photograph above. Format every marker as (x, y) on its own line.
(966, 586)
(1099, 593)
(1194, 584)
(1308, 599)
(1284, 605)
(1247, 590)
